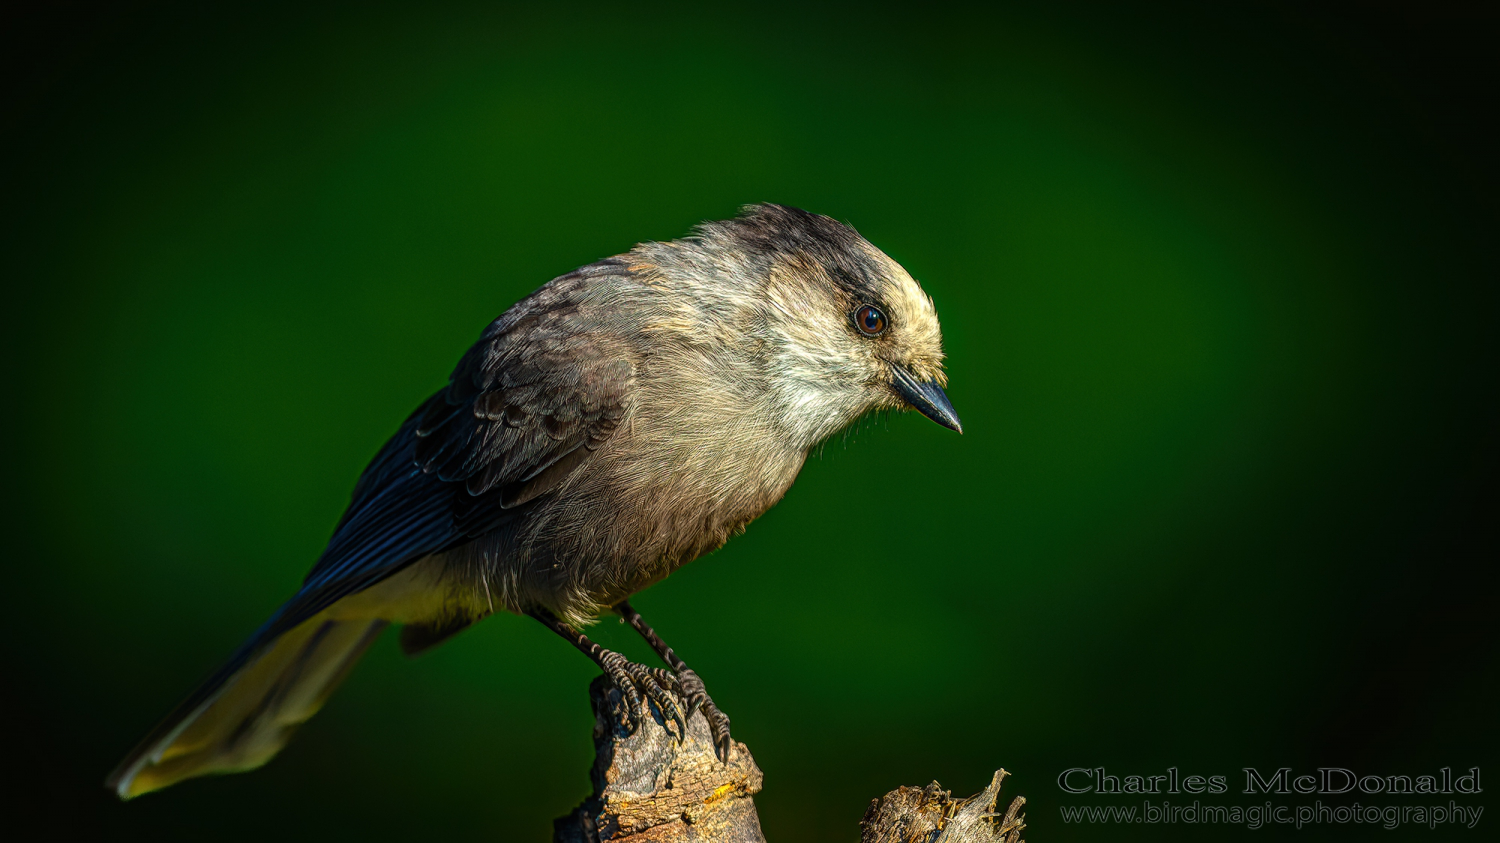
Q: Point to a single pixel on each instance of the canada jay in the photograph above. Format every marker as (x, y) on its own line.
(619, 422)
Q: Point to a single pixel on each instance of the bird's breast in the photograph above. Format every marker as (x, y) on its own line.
(671, 486)
(694, 460)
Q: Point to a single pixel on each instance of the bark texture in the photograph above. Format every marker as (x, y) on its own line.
(651, 787)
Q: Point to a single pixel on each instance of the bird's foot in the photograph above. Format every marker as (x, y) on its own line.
(638, 683)
(695, 696)
(687, 684)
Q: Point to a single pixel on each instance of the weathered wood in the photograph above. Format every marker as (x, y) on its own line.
(931, 815)
(651, 787)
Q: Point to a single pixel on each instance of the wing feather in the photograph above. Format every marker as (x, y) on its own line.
(526, 407)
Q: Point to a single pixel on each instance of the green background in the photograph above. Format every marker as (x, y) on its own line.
(1218, 293)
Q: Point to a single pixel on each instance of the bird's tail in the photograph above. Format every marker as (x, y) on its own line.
(246, 712)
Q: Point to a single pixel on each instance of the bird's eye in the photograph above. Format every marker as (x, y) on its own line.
(869, 320)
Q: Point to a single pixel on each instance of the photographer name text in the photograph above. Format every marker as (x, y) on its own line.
(1325, 781)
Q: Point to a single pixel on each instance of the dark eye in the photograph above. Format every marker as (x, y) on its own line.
(869, 320)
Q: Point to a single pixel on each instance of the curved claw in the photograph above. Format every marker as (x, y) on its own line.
(697, 698)
(718, 725)
(657, 684)
(693, 692)
(637, 684)
(618, 669)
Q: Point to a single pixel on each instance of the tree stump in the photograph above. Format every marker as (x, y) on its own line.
(651, 787)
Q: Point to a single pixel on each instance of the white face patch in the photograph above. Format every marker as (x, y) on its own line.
(812, 406)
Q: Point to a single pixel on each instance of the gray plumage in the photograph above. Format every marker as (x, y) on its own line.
(617, 423)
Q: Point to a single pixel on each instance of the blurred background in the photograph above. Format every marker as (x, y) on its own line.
(1218, 286)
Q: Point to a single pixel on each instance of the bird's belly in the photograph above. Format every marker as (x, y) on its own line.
(681, 515)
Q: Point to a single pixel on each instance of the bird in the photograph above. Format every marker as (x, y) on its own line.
(620, 421)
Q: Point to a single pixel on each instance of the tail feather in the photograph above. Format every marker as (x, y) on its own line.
(244, 714)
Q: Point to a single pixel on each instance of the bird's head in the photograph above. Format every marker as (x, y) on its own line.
(840, 328)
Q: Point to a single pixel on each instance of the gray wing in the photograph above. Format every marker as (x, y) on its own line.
(529, 404)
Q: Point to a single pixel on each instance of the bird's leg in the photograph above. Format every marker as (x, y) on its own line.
(688, 683)
(632, 679)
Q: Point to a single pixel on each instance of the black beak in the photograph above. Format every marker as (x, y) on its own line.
(927, 398)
